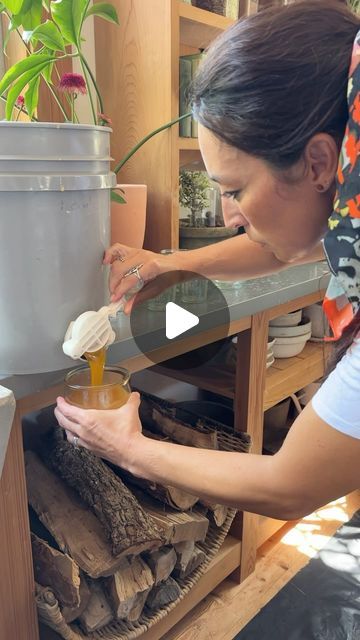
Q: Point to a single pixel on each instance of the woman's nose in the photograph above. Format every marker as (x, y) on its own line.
(230, 209)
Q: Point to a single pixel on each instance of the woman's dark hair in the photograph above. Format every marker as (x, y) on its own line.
(276, 78)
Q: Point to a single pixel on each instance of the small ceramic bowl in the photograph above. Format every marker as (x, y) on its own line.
(289, 347)
(290, 332)
(287, 320)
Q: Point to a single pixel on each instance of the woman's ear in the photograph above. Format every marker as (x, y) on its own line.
(321, 156)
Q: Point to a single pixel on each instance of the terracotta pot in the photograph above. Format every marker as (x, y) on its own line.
(128, 220)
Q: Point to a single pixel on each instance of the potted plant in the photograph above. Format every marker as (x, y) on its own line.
(201, 227)
(55, 185)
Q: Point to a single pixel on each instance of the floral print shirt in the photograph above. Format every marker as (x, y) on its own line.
(342, 242)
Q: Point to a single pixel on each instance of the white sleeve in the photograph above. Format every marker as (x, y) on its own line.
(338, 400)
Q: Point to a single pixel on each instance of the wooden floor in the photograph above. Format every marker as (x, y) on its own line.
(230, 607)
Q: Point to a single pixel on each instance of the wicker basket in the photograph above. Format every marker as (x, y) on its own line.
(47, 604)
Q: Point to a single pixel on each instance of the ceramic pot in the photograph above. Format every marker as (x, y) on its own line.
(128, 220)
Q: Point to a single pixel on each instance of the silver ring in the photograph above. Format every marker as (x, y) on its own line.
(75, 441)
(134, 270)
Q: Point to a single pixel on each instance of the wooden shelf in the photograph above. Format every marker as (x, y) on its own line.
(198, 27)
(286, 376)
(224, 563)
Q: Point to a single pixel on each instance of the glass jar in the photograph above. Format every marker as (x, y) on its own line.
(113, 393)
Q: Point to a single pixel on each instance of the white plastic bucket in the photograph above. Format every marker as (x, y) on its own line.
(54, 228)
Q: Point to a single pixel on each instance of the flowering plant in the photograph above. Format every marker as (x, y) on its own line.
(51, 31)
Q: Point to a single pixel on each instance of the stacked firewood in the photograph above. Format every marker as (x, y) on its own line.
(115, 543)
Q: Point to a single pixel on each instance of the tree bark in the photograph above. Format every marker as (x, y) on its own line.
(73, 525)
(125, 522)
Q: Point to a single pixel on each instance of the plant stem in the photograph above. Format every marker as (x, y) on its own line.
(52, 91)
(146, 138)
(89, 90)
(84, 62)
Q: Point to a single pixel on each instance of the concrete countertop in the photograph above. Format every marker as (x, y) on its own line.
(248, 298)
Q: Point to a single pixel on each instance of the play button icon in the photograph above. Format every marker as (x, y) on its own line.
(178, 313)
(178, 320)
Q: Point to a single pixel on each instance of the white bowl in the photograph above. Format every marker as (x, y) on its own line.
(289, 347)
(289, 332)
(287, 320)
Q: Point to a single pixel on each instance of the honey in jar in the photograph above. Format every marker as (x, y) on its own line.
(97, 386)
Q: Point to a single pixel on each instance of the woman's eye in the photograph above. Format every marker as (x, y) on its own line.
(231, 194)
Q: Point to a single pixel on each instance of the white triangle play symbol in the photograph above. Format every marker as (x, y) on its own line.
(178, 320)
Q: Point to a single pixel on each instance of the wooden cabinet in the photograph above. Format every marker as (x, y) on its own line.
(138, 73)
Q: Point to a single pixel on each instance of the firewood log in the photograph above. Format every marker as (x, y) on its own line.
(176, 526)
(71, 613)
(161, 562)
(74, 526)
(196, 559)
(97, 613)
(56, 570)
(123, 519)
(175, 498)
(129, 587)
(163, 593)
(218, 512)
(183, 433)
(184, 552)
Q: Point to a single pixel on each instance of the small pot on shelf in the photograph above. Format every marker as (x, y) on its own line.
(128, 220)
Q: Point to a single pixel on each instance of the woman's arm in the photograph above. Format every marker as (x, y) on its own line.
(235, 259)
(316, 463)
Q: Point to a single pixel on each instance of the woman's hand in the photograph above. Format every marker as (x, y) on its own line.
(110, 434)
(122, 258)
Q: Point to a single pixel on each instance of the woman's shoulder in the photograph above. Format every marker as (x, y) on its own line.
(338, 400)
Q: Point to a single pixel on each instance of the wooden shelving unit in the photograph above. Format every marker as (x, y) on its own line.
(138, 73)
(284, 377)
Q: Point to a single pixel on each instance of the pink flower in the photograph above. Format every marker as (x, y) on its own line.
(20, 101)
(104, 120)
(72, 83)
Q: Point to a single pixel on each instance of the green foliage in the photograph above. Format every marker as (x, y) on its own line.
(51, 31)
(354, 5)
(103, 10)
(193, 193)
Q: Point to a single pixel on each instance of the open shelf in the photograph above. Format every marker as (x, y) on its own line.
(198, 27)
(225, 562)
(286, 376)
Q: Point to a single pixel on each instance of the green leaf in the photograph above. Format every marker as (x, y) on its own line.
(116, 197)
(103, 10)
(32, 96)
(15, 6)
(48, 71)
(14, 24)
(32, 18)
(31, 62)
(46, 5)
(69, 16)
(49, 35)
(19, 85)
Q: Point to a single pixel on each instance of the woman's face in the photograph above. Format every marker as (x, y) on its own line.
(287, 219)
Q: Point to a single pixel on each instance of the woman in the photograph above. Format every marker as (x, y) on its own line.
(271, 101)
